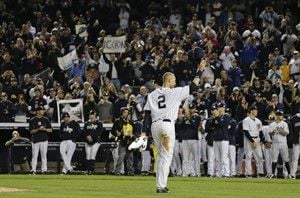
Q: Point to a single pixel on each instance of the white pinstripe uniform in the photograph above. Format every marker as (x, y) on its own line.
(267, 151)
(254, 127)
(279, 141)
(164, 105)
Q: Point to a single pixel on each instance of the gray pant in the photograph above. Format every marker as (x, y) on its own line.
(123, 153)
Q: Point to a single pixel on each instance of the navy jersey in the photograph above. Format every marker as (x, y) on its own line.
(232, 131)
(36, 102)
(35, 123)
(191, 128)
(69, 131)
(94, 129)
(221, 125)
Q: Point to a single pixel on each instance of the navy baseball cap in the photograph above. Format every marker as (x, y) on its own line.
(39, 108)
(279, 113)
(252, 107)
(221, 104)
(65, 114)
(213, 108)
(192, 106)
(92, 112)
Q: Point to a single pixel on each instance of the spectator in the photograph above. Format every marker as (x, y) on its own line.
(19, 155)
(7, 109)
(105, 108)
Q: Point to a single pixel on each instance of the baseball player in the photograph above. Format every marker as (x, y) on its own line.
(39, 127)
(221, 141)
(295, 125)
(232, 144)
(92, 129)
(267, 150)
(163, 104)
(279, 130)
(209, 138)
(253, 136)
(69, 132)
(190, 143)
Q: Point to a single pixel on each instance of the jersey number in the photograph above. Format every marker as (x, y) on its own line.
(161, 102)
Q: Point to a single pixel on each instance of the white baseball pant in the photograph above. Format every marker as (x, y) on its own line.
(258, 156)
(211, 160)
(190, 147)
(296, 153)
(203, 149)
(91, 151)
(176, 165)
(163, 134)
(268, 160)
(239, 161)
(41, 147)
(232, 160)
(146, 161)
(67, 149)
(222, 159)
(282, 148)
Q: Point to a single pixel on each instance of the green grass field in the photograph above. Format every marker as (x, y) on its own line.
(43, 186)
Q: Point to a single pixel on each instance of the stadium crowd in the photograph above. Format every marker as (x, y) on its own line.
(246, 54)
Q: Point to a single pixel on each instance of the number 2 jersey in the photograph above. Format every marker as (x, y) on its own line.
(164, 102)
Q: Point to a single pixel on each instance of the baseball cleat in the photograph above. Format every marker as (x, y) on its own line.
(162, 190)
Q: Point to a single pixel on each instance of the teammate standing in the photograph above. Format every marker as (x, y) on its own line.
(221, 141)
(163, 104)
(92, 129)
(295, 125)
(279, 130)
(69, 132)
(253, 136)
(39, 127)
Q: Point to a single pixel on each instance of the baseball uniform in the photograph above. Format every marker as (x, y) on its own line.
(279, 144)
(163, 103)
(252, 129)
(39, 141)
(69, 132)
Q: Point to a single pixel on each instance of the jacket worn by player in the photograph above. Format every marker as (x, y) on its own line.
(37, 122)
(69, 131)
(94, 129)
(209, 128)
(190, 127)
(232, 131)
(295, 125)
(221, 125)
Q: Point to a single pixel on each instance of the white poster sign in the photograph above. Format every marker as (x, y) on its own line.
(67, 61)
(73, 107)
(81, 30)
(114, 44)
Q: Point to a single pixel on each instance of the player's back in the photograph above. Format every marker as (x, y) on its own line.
(164, 102)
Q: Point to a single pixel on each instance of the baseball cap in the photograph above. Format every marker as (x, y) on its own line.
(65, 114)
(279, 113)
(228, 110)
(92, 112)
(274, 96)
(213, 108)
(192, 106)
(3, 94)
(221, 104)
(207, 85)
(105, 94)
(39, 108)
(253, 107)
(295, 52)
(257, 95)
(200, 90)
(236, 89)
